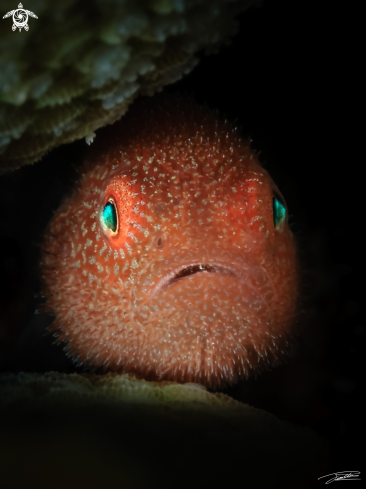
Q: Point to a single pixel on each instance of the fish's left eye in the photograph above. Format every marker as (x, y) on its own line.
(279, 211)
(110, 216)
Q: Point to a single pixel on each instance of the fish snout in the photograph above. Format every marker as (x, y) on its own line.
(210, 316)
(187, 271)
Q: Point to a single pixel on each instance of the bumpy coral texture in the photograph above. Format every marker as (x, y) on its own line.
(82, 63)
(196, 284)
(114, 431)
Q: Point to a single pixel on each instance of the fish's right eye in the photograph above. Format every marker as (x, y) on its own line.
(279, 211)
(110, 216)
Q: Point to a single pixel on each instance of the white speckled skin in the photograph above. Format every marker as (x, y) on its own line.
(196, 285)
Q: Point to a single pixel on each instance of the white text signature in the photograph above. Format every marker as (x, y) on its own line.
(346, 474)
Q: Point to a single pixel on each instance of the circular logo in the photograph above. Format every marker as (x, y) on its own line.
(20, 17)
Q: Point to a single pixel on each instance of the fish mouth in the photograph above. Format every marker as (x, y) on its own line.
(185, 271)
(192, 269)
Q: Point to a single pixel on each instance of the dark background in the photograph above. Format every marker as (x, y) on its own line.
(290, 79)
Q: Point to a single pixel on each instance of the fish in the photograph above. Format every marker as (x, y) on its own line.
(172, 258)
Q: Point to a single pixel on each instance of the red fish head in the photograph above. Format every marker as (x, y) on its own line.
(173, 259)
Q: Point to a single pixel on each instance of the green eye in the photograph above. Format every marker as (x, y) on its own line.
(110, 216)
(279, 211)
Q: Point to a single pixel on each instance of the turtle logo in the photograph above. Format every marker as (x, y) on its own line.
(20, 17)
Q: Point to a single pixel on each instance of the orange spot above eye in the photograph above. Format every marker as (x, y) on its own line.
(245, 201)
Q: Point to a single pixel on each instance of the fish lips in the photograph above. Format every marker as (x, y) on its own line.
(186, 271)
(237, 271)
